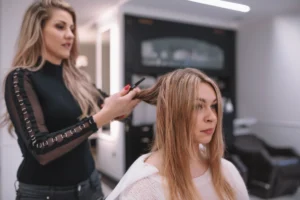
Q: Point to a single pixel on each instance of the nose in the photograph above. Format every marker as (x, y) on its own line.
(69, 34)
(211, 116)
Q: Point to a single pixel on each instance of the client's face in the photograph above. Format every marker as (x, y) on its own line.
(205, 114)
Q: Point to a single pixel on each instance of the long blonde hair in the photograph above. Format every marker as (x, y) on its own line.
(172, 95)
(29, 48)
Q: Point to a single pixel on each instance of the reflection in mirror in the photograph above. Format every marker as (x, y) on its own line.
(105, 69)
(179, 51)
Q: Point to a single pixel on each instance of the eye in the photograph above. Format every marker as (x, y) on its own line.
(198, 107)
(215, 106)
(59, 26)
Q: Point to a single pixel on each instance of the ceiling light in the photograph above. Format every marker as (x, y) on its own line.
(224, 4)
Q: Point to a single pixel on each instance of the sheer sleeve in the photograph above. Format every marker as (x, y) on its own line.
(27, 117)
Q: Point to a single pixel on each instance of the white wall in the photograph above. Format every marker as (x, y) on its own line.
(268, 68)
(11, 17)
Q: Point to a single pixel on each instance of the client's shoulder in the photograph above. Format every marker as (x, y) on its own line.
(154, 159)
(227, 165)
(229, 169)
(234, 178)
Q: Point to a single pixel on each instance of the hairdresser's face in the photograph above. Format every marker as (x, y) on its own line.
(205, 114)
(58, 34)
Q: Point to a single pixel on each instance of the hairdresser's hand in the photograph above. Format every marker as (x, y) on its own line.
(122, 103)
(127, 114)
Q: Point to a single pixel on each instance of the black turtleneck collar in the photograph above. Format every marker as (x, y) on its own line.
(51, 68)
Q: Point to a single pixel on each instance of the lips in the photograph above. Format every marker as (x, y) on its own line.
(67, 45)
(208, 131)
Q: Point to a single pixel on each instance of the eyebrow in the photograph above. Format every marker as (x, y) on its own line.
(204, 101)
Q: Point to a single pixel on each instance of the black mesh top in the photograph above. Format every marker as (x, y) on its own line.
(53, 140)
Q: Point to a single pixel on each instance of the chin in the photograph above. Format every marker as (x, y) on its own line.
(204, 140)
(66, 56)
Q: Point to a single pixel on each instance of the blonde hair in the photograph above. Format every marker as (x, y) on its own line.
(29, 48)
(172, 95)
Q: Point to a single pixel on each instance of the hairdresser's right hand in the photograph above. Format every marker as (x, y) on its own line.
(116, 105)
(121, 103)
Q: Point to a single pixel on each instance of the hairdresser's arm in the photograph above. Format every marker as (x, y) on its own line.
(28, 119)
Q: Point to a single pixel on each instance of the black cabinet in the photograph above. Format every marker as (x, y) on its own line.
(138, 141)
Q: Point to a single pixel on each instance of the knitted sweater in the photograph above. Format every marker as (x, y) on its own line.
(142, 181)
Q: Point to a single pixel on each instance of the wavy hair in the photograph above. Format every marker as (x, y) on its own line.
(29, 47)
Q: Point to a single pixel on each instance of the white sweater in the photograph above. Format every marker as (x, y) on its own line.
(142, 182)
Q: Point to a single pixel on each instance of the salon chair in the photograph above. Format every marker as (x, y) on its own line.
(272, 172)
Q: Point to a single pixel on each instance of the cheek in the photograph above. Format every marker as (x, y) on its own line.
(198, 119)
(197, 124)
(52, 38)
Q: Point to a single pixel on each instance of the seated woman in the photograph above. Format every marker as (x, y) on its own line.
(186, 161)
